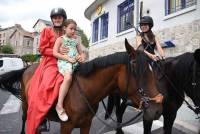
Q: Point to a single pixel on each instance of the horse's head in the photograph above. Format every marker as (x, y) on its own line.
(142, 89)
(195, 94)
(197, 55)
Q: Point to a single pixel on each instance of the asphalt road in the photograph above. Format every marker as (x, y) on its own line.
(10, 120)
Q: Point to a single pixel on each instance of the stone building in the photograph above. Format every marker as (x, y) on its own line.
(176, 23)
(38, 27)
(20, 40)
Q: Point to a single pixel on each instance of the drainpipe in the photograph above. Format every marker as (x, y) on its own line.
(137, 12)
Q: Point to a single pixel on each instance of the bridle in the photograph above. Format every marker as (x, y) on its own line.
(144, 101)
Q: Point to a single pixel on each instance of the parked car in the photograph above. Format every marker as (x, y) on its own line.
(8, 64)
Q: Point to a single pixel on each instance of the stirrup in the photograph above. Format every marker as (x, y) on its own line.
(43, 126)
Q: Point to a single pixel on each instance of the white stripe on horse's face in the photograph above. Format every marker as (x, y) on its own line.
(150, 68)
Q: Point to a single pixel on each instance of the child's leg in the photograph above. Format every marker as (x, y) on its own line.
(62, 93)
(64, 89)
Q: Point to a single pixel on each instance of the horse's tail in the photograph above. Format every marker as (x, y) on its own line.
(10, 81)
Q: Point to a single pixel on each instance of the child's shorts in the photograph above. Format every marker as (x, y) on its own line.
(64, 67)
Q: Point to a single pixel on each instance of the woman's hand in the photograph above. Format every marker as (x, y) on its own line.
(63, 50)
(72, 60)
(154, 57)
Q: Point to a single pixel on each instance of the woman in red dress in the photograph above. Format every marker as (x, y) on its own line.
(46, 81)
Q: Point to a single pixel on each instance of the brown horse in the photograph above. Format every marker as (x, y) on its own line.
(93, 81)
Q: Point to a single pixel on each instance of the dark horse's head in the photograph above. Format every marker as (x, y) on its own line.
(144, 80)
(194, 90)
(183, 72)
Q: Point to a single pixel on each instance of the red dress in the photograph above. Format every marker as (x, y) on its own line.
(45, 83)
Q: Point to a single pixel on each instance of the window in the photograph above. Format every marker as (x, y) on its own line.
(104, 26)
(1, 63)
(28, 43)
(172, 6)
(125, 15)
(95, 30)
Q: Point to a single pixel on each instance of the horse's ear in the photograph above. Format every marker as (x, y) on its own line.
(197, 55)
(130, 50)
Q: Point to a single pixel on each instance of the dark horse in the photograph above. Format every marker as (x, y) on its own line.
(92, 82)
(176, 76)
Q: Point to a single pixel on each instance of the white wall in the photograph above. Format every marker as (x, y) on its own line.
(111, 7)
(157, 11)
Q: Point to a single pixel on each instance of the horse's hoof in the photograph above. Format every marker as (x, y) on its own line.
(119, 131)
(43, 127)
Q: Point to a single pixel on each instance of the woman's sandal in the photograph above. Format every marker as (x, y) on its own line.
(62, 115)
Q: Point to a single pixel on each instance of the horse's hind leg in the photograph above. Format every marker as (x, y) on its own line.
(23, 123)
(24, 116)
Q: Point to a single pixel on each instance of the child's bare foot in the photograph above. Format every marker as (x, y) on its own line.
(61, 113)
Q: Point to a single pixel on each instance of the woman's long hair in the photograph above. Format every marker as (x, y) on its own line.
(148, 36)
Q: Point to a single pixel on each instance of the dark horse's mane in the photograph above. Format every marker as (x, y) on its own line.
(89, 67)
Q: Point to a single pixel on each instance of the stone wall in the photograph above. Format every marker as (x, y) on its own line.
(186, 38)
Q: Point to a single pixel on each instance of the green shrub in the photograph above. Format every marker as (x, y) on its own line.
(29, 57)
(7, 49)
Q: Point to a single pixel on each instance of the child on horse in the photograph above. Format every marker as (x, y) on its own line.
(67, 63)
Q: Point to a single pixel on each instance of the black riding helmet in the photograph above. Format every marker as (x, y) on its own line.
(57, 12)
(147, 20)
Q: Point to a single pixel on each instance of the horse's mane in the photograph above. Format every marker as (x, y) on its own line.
(89, 67)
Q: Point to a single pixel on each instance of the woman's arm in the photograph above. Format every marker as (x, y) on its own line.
(81, 56)
(56, 50)
(44, 47)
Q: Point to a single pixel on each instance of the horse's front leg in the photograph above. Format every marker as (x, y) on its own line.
(147, 124)
(169, 114)
(169, 117)
(85, 127)
(66, 128)
(120, 109)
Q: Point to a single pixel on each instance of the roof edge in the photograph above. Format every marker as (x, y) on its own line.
(88, 11)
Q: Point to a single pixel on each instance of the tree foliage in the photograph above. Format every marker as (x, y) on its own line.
(7, 49)
(84, 38)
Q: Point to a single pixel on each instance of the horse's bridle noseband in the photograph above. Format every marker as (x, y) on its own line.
(144, 102)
